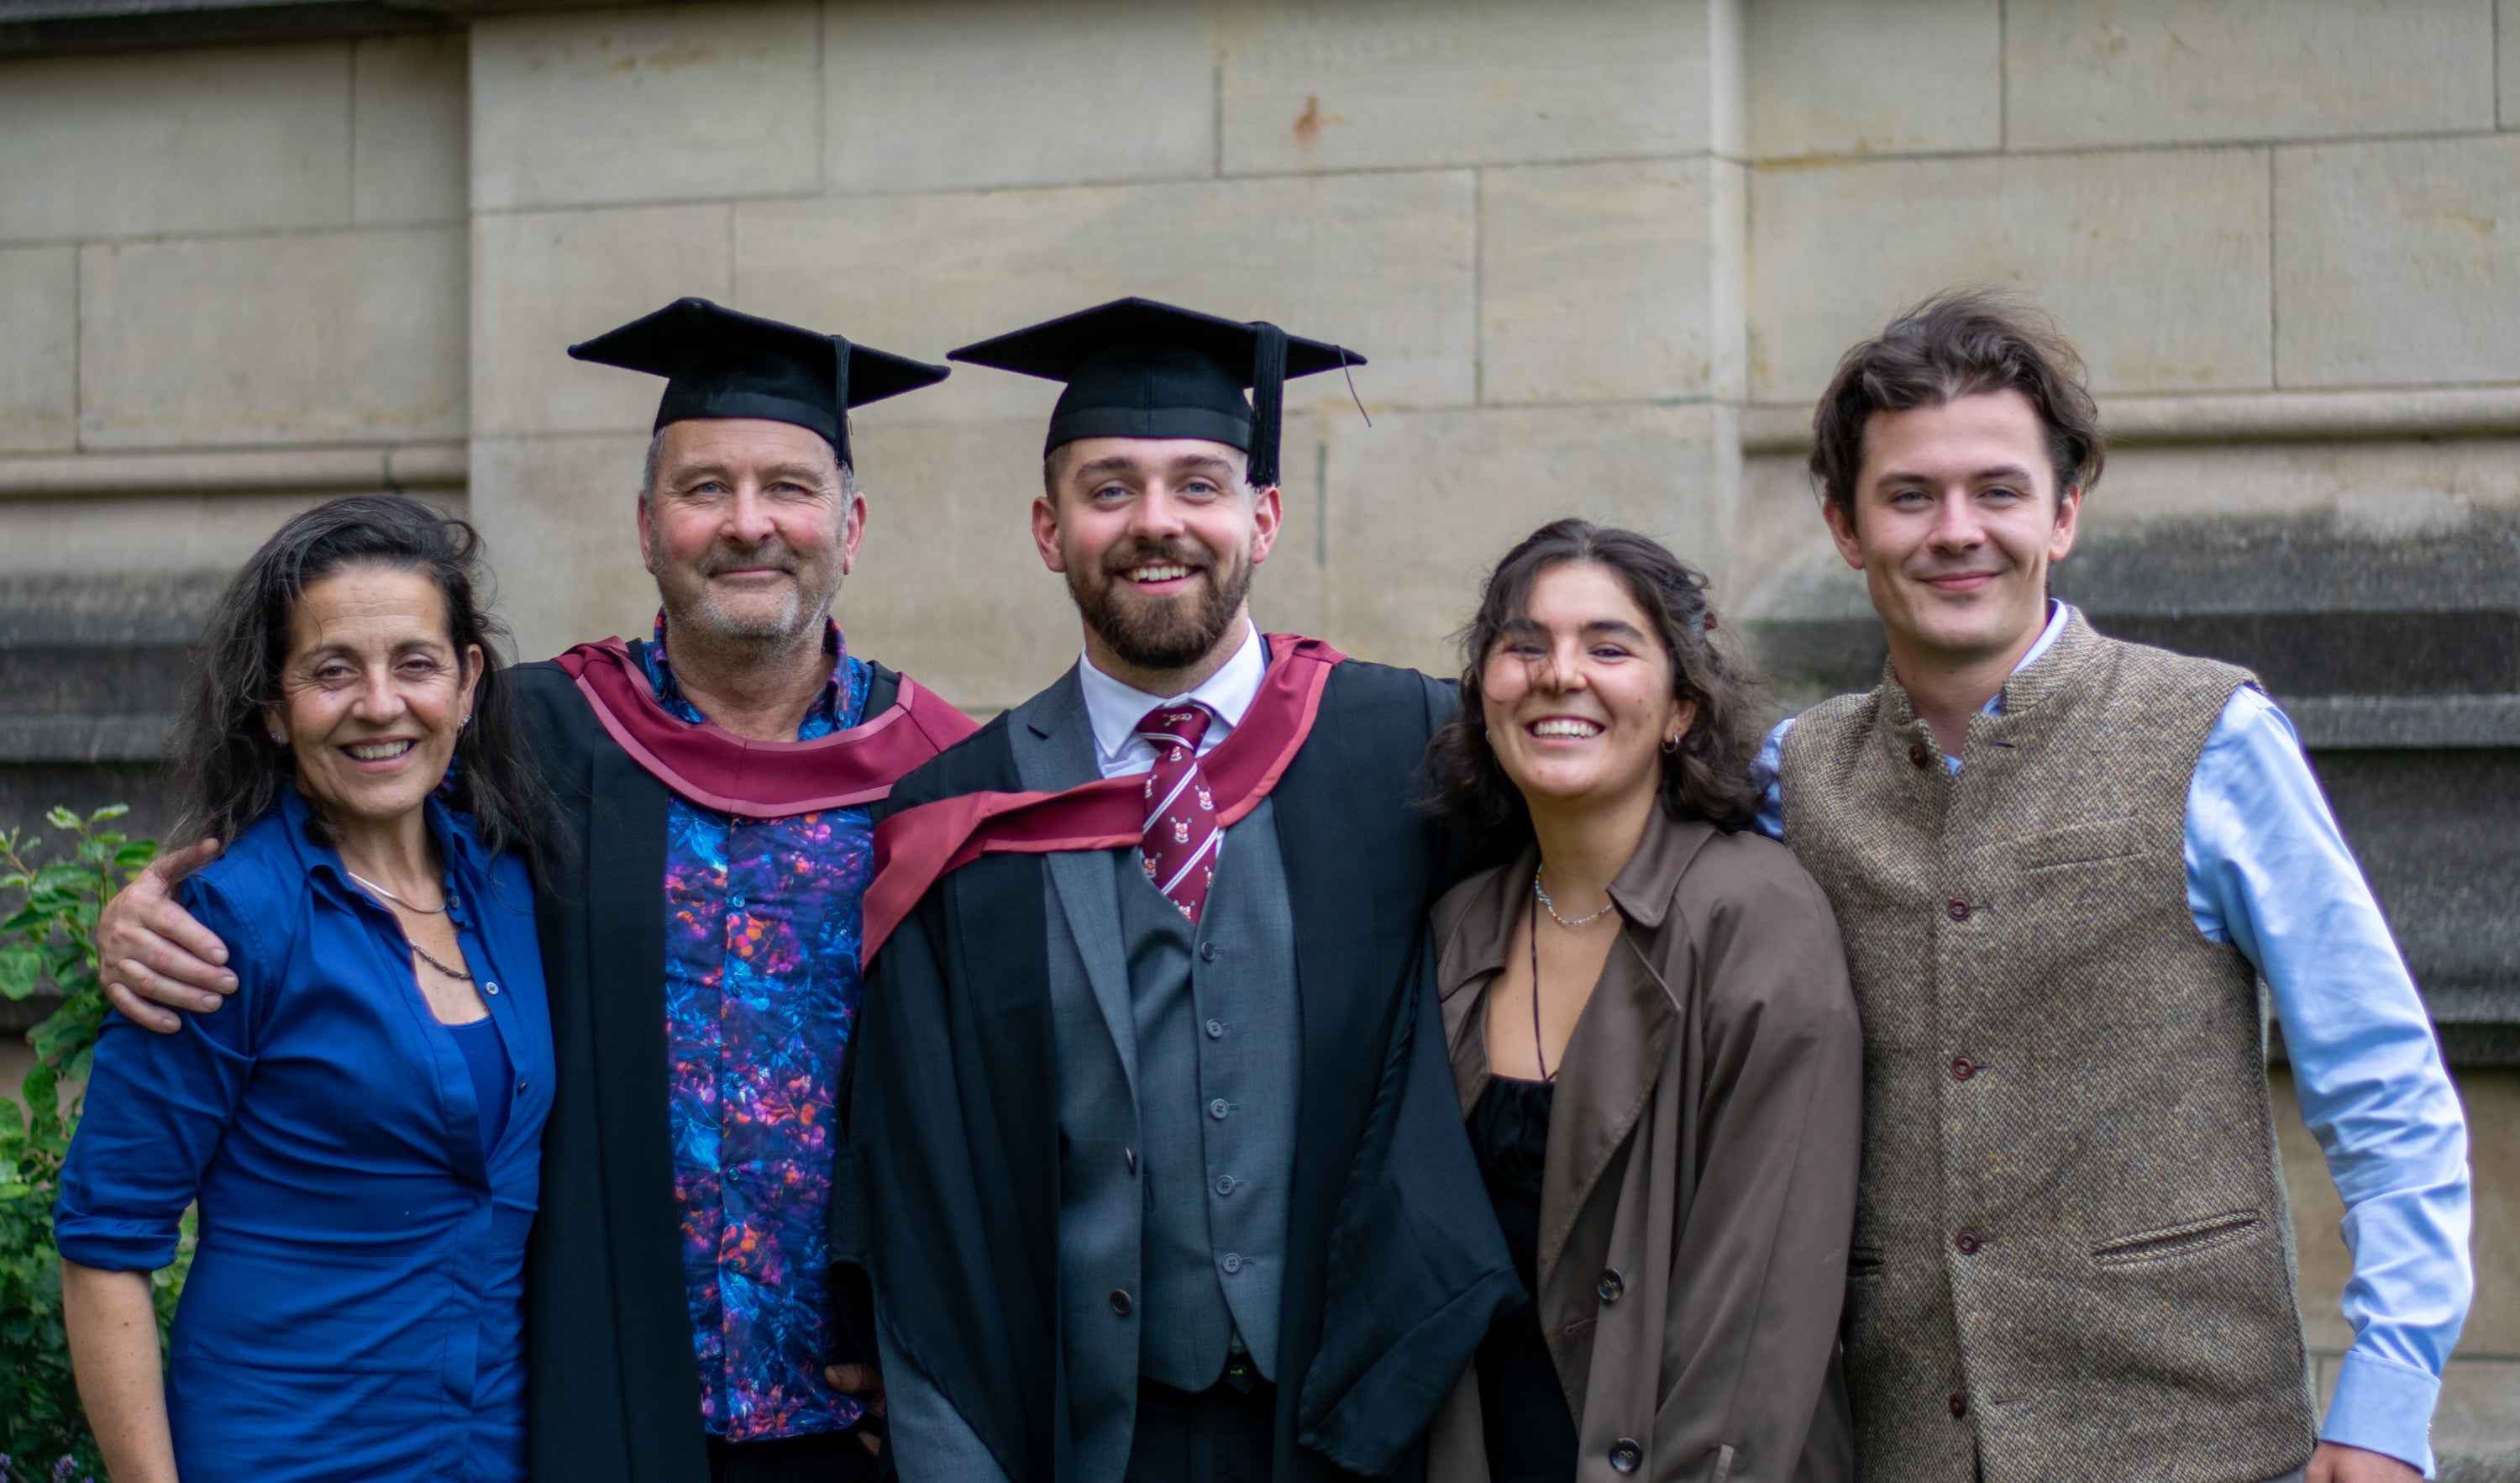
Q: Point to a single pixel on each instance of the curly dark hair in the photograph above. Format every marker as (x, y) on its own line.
(229, 772)
(1954, 344)
(1708, 777)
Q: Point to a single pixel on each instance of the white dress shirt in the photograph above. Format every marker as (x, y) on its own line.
(1115, 708)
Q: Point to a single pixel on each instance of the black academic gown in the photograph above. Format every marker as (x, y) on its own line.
(612, 1382)
(950, 1109)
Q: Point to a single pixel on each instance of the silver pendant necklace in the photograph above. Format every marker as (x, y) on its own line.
(1541, 891)
(1537, 1052)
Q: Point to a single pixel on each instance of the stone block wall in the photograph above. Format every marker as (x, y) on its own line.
(1528, 217)
(1600, 254)
(231, 282)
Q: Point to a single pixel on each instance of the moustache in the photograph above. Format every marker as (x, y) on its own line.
(1195, 556)
(774, 555)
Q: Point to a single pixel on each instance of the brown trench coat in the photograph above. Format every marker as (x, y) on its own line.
(1703, 1146)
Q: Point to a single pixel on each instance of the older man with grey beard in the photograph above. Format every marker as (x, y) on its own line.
(700, 930)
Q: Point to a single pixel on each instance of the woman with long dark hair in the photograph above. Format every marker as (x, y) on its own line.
(361, 1122)
(1654, 1041)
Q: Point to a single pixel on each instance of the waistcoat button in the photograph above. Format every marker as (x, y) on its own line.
(1225, 1184)
(1120, 1302)
(1609, 1288)
(1208, 952)
(1232, 1262)
(1218, 1109)
(489, 988)
(1956, 910)
(1129, 1156)
(1967, 1240)
(1216, 1030)
(1626, 1455)
(1918, 754)
(1963, 1068)
(1960, 1405)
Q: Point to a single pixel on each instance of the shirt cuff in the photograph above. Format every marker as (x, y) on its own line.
(113, 1245)
(2383, 1407)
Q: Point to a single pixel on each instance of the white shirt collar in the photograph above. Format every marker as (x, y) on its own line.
(1115, 708)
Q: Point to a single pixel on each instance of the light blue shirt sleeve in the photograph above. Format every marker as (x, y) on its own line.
(2269, 872)
(1763, 771)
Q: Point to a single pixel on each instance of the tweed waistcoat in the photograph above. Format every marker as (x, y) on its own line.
(2071, 1258)
(1215, 1010)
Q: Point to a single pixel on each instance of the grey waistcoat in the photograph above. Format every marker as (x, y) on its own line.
(1215, 1011)
(2071, 1255)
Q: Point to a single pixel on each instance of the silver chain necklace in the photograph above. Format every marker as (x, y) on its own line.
(1541, 891)
(460, 976)
(438, 909)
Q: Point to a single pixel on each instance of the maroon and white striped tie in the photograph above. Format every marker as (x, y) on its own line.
(1178, 846)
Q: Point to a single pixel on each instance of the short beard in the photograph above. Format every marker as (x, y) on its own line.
(1151, 635)
(701, 612)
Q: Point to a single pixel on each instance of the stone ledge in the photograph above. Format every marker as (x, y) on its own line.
(83, 738)
(19, 1015)
(2341, 722)
(33, 27)
(36, 27)
(2256, 417)
(406, 466)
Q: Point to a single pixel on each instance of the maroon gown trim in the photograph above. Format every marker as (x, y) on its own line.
(716, 768)
(918, 847)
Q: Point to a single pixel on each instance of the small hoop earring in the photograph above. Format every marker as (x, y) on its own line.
(1670, 744)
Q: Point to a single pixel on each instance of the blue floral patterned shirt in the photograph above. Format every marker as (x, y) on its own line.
(761, 991)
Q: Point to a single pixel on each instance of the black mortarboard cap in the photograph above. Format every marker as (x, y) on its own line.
(719, 362)
(1135, 368)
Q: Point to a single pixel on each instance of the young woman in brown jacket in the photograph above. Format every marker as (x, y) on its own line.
(1654, 1045)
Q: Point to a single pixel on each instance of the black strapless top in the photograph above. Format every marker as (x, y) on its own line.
(1530, 1433)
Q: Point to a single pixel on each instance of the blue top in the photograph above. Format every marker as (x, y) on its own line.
(486, 1060)
(761, 992)
(2270, 873)
(357, 1303)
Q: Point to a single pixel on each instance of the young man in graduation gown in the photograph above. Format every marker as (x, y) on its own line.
(1162, 1173)
(2063, 864)
(699, 926)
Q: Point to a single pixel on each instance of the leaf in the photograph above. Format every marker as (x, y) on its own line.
(61, 818)
(110, 811)
(22, 971)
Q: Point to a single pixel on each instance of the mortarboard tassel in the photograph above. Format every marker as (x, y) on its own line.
(1268, 401)
(840, 398)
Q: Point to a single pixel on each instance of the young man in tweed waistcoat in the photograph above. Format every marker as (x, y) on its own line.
(2063, 864)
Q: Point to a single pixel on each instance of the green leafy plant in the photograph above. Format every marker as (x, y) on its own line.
(48, 943)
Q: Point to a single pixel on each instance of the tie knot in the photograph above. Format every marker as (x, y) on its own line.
(1181, 725)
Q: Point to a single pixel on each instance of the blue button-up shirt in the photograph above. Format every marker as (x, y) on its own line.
(761, 991)
(2270, 873)
(356, 1304)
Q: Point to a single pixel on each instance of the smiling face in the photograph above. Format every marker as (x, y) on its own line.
(1157, 539)
(749, 529)
(373, 693)
(1955, 519)
(1578, 694)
